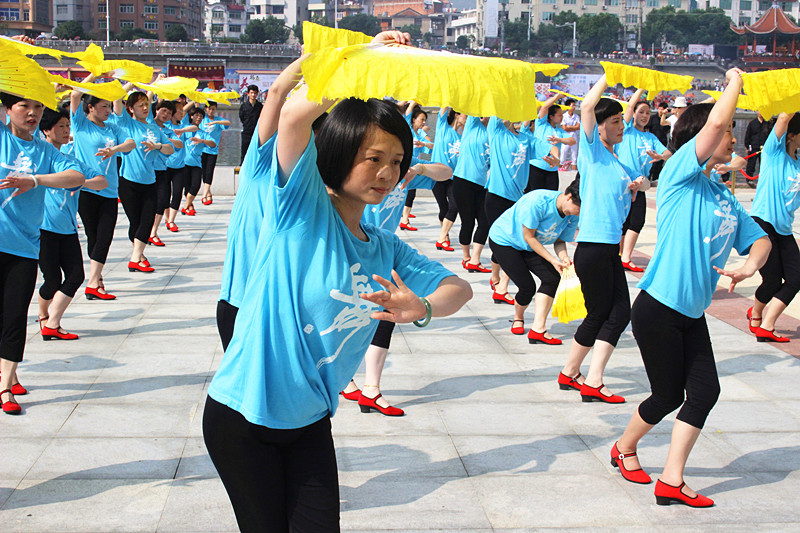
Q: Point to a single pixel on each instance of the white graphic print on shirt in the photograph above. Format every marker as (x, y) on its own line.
(21, 167)
(520, 157)
(726, 228)
(793, 189)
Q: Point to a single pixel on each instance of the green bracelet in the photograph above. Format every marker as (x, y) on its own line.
(428, 314)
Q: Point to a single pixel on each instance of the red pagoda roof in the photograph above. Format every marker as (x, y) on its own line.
(773, 21)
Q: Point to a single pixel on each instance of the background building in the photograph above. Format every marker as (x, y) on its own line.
(226, 19)
(29, 17)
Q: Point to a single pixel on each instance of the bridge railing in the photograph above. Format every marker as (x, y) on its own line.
(192, 48)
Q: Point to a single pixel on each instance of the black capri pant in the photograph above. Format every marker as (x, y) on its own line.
(494, 206)
(605, 291)
(443, 192)
(278, 480)
(383, 334)
(139, 203)
(192, 178)
(176, 177)
(209, 162)
(677, 355)
(17, 281)
(163, 190)
(542, 179)
(519, 264)
(780, 275)
(635, 220)
(410, 197)
(60, 253)
(470, 199)
(99, 218)
(226, 318)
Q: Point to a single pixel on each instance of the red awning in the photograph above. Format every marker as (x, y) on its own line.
(201, 73)
(773, 21)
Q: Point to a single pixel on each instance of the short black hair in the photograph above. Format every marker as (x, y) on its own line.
(663, 105)
(133, 98)
(196, 111)
(50, 118)
(89, 100)
(253, 88)
(318, 122)
(605, 109)
(211, 104)
(451, 116)
(9, 100)
(640, 103)
(345, 129)
(417, 112)
(690, 123)
(569, 101)
(794, 124)
(169, 104)
(574, 190)
(552, 110)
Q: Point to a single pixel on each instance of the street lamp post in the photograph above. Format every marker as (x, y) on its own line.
(108, 23)
(574, 25)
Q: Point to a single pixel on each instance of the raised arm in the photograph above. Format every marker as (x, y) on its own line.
(590, 101)
(119, 107)
(280, 89)
(781, 125)
(628, 115)
(547, 103)
(410, 109)
(75, 96)
(720, 117)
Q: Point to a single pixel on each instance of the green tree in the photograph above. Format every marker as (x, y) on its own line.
(131, 34)
(176, 34)
(361, 22)
(69, 29)
(516, 37)
(462, 42)
(660, 27)
(414, 31)
(269, 29)
(599, 33)
(555, 37)
(297, 29)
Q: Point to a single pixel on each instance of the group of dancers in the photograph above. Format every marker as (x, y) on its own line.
(315, 277)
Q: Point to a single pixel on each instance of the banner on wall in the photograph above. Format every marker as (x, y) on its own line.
(492, 11)
(577, 84)
(542, 90)
(231, 79)
(201, 73)
(262, 78)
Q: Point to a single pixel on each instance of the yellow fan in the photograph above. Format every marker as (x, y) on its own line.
(744, 102)
(93, 60)
(105, 91)
(773, 91)
(198, 96)
(645, 78)
(549, 69)
(317, 37)
(568, 303)
(33, 50)
(170, 88)
(579, 98)
(23, 77)
(477, 86)
(223, 97)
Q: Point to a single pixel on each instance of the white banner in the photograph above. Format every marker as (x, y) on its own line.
(490, 30)
(262, 79)
(702, 49)
(577, 84)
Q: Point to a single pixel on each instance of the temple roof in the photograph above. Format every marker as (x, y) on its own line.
(773, 21)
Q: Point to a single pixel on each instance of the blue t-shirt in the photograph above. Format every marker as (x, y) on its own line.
(698, 222)
(536, 210)
(543, 130)
(21, 216)
(138, 166)
(605, 196)
(193, 151)
(89, 138)
(446, 143)
(246, 218)
(302, 329)
(473, 159)
(778, 184)
(160, 160)
(61, 205)
(214, 132)
(508, 171)
(178, 157)
(420, 136)
(387, 214)
(632, 151)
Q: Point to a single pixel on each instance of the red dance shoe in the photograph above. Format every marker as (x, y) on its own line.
(184, 211)
(634, 476)
(172, 227)
(593, 394)
(155, 241)
(491, 283)
(49, 334)
(93, 293)
(368, 404)
(444, 246)
(750, 320)
(632, 268)
(534, 337)
(412, 216)
(10, 407)
(207, 200)
(667, 495)
(408, 227)
(139, 267)
(352, 396)
(566, 383)
(191, 212)
(476, 268)
(518, 330)
(768, 335)
(502, 298)
(18, 390)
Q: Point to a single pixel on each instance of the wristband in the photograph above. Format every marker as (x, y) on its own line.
(35, 181)
(428, 314)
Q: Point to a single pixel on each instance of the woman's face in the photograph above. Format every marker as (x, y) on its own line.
(26, 114)
(196, 119)
(725, 148)
(59, 134)
(569, 207)
(140, 109)
(164, 115)
(611, 130)
(100, 111)
(376, 169)
(178, 115)
(419, 121)
(555, 120)
(642, 116)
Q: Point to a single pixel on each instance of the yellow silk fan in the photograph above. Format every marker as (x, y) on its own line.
(105, 91)
(94, 61)
(744, 102)
(568, 304)
(34, 50)
(645, 78)
(317, 37)
(170, 88)
(773, 91)
(23, 77)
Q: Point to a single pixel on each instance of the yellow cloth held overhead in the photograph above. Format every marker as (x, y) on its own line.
(477, 86)
(773, 91)
(105, 91)
(93, 60)
(579, 98)
(744, 102)
(645, 78)
(317, 37)
(170, 88)
(23, 77)
(549, 69)
(33, 50)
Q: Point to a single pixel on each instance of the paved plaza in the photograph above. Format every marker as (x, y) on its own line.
(110, 438)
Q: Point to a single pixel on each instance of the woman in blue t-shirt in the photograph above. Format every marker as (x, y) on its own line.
(699, 223)
(446, 148)
(417, 118)
(607, 187)
(193, 176)
(26, 161)
(59, 247)
(773, 209)
(547, 127)
(311, 308)
(638, 150)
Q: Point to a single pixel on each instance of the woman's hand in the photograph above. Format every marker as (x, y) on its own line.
(399, 303)
(149, 146)
(634, 186)
(105, 153)
(413, 172)
(735, 275)
(551, 160)
(21, 182)
(558, 264)
(737, 163)
(393, 36)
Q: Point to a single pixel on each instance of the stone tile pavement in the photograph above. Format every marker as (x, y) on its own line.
(111, 439)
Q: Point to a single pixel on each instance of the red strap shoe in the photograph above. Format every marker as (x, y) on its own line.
(593, 394)
(566, 383)
(172, 227)
(155, 241)
(410, 215)
(444, 246)
(634, 476)
(368, 404)
(139, 267)
(93, 293)
(534, 337)
(49, 334)
(750, 319)
(667, 495)
(476, 268)
(518, 330)
(18, 390)
(408, 227)
(632, 268)
(9, 407)
(352, 396)
(502, 298)
(191, 212)
(184, 211)
(767, 335)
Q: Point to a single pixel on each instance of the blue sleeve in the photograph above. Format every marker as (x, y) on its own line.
(538, 147)
(747, 231)
(421, 274)
(408, 119)
(60, 162)
(162, 136)
(78, 119)
(540, 122)
(569, 232)
(658, 146)
(775, 145)
(682, 167)
(304, 179)
(494, 126)
(421, 182)
(531, 218)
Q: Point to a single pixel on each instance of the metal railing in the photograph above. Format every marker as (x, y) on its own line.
(191, 48)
